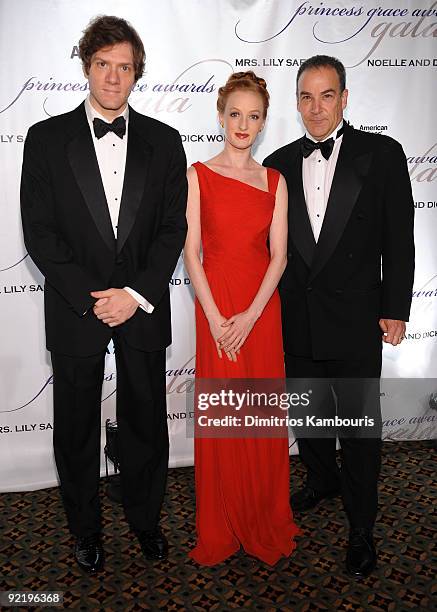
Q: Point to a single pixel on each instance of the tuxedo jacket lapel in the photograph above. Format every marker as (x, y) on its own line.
(83, 161)
(351, 168)
(301, 232)
(138, 158)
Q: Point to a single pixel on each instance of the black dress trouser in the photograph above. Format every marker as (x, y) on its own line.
(143, 436)
(360, 456)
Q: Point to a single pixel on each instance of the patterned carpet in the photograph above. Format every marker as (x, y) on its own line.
(35, 552)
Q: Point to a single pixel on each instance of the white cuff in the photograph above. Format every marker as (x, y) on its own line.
(144, 304)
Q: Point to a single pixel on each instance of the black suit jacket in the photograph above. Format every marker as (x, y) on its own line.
(362, 267)
(68, 232)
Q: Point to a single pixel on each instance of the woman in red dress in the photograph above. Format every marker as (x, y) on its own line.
(237, 215)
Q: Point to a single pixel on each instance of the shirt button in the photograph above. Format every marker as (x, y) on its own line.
(113, 145)
(317, 213)
(115, 171)
(318, 188)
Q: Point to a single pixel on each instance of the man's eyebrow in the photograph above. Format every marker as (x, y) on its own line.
(308, 93)
(102, 59)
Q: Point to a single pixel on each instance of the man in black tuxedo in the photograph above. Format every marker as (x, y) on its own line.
(350, 210)
(103, 199)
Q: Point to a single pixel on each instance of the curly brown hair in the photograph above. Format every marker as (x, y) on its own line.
(243, 80)
(106, 31)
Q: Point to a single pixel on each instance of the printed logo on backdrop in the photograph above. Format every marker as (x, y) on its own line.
(8, 266)
(424, 298)
(411, 427)
(423, 169)
(45, 387)
(11, 138)
(180, 380)
(375, 25)
(24, 427)
(20, 289)
(202, 138)
(409, 408)
(173, 95)
(38, 288)
(425, 204)
(421, 334)
(374, 128)
(180, 281)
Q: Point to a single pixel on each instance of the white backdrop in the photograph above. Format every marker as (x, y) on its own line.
(192, 46)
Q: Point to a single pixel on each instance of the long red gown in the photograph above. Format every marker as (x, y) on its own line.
(242, 485)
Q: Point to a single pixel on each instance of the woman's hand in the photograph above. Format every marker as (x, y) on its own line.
(239, 327)
(216, 327)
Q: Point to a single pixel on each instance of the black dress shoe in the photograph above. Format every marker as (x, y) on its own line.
(308, 498)
(361, 553)
(89, 553)
(153, 544)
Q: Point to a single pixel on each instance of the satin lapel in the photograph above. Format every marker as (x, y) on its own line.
(83, 161)
(138, 158)
(301, 232)
(350, 171)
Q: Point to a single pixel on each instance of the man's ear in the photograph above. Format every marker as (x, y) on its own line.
(297, 100)
(344, 96)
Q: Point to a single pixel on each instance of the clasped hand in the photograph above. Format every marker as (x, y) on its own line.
(114, 306)
(239, 327)
(393, 330)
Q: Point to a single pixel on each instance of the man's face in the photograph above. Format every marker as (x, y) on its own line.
(111, 78)
(320, 101)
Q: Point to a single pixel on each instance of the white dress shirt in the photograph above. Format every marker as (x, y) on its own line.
(317, 175)
(111, 153)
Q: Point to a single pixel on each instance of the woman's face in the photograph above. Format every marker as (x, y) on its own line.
(243, 118)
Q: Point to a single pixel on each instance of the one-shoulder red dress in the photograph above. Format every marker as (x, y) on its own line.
(242, 484)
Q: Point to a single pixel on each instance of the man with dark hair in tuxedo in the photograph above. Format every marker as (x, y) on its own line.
(350, 211)
(103, 197)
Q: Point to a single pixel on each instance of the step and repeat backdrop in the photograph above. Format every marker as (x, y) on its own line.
(192, 47)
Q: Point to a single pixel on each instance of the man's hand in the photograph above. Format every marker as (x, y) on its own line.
(393, 330)
(114, 306)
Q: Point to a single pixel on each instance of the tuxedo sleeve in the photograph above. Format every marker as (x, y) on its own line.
(153, 281)
(43, 240)
(398, 237)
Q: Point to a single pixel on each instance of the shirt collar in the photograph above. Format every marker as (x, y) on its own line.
(91, 113)
(332, 134)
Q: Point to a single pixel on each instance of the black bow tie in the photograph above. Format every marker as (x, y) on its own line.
(325, 146)
(118, 126)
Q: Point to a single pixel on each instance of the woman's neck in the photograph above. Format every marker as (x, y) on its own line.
(237, 158)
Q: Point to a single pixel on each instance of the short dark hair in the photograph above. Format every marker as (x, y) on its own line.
(105, 31)
(321, 61)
